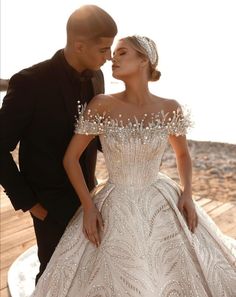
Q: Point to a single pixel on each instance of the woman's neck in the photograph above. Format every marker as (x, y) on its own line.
(137, 94)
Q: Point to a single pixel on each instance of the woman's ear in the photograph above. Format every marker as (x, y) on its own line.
(144, 61)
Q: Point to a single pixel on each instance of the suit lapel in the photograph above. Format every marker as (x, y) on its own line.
(95, 86)
(98, 83)
(65, 89)
(69, 101)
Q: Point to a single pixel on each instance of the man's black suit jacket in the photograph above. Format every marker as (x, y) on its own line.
(39, 114)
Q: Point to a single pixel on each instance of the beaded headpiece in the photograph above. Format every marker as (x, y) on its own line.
(149, 46)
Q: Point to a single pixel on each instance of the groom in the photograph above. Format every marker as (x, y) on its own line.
(38, 112)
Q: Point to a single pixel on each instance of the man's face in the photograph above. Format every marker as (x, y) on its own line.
(94, 54)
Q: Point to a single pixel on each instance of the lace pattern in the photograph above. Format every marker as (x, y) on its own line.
(147, 250)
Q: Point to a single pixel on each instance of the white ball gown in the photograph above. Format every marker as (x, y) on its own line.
(147, 249)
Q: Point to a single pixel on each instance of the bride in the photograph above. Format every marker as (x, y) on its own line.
(141, 234)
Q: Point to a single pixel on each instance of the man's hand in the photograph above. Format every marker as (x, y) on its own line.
(187, 208)
(39, 212)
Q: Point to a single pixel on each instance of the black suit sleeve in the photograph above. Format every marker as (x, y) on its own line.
(15, 118)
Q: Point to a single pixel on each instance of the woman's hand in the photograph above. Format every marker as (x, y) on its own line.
(92, 221)
(187, 208)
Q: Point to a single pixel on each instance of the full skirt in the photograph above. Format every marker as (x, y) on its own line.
(146, 250)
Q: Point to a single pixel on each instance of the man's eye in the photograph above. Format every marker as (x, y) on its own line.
(122, 54)
(103, 51)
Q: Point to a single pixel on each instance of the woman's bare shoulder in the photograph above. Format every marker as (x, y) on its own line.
(103, 103)
(99, 103)
(168, 105)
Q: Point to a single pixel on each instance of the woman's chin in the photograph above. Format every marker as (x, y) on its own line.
(116, 75)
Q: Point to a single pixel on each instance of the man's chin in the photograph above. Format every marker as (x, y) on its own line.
(96, 68)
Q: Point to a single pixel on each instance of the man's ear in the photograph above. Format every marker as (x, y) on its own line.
(79, 46)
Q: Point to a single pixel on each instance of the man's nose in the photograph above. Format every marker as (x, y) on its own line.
(108, 56)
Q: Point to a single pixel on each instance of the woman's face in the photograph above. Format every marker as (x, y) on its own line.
(125, 61)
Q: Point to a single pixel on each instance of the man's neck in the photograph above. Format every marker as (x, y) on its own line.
(72, 60)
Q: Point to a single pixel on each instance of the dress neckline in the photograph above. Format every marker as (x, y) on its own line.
(171, 123)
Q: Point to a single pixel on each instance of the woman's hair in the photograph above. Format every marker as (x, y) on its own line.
(146, 47)
(90, 22)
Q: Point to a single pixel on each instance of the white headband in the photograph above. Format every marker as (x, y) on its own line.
(149, 46)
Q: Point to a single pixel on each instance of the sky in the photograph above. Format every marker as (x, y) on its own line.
(195, 41)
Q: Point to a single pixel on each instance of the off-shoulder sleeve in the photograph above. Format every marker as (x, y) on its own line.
(179, 123)
(89, 123)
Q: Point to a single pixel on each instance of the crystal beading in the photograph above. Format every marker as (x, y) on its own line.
(150, 48)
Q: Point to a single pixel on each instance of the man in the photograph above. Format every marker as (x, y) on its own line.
(39, 112)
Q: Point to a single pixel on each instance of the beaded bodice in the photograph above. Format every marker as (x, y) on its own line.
(133, 149)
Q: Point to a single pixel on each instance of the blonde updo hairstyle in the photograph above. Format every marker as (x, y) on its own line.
(154, 73)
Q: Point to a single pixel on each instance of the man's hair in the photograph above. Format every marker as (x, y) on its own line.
(91, 22)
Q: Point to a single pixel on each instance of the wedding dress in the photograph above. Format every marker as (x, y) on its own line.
(146, 247)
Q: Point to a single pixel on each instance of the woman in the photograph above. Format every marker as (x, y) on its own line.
(143, 234)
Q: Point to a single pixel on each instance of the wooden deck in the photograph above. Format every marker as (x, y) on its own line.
(17, 233)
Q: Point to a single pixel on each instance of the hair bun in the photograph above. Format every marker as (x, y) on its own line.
(155, 75)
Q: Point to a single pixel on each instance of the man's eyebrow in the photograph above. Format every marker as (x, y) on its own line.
(120, 48)
(105, 48)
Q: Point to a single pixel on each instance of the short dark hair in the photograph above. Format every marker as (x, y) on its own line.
(91, 22)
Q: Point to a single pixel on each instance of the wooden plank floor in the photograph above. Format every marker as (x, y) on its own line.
(17, 233)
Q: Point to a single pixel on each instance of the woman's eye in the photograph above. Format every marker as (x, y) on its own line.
(122, 54)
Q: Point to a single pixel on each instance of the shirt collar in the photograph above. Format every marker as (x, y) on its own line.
(75, 75)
